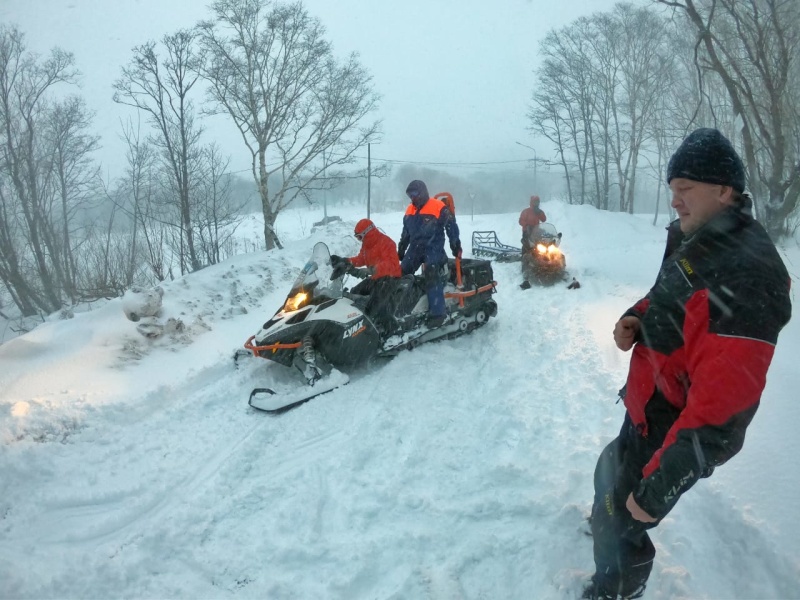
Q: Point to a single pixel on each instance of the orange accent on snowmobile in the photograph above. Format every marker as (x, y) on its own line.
(448, 200)
(459, 282)
(462, 295)
(270, 347)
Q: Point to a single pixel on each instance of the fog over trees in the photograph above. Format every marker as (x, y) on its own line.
(615, 93)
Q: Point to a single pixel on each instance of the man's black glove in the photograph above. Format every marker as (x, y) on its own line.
(455, 247)
(340, 266)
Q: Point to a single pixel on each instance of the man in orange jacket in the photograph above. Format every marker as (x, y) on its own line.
(529, 220)
(422, 242)
(377, 261)
(378, 254)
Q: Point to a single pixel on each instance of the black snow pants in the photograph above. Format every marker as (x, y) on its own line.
(382, 303)
(623, 552)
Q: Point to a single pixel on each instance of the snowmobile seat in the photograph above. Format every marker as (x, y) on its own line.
(474, 272)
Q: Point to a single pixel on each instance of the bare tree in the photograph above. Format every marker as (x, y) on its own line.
(547, 120)
(753, 47)
(218, 214)
(565, 80)
(74, 183)
(30, 263)
(137, 193)
(644, 65)
(271, 70)
(599, 87)
(162, 89)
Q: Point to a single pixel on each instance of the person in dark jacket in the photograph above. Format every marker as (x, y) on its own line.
(703, 339)
(529, 220)
(422, 243)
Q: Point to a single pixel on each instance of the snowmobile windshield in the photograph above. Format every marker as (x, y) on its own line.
(306, 288)
(547, 231)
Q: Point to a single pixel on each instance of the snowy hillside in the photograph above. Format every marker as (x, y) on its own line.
(462, 470)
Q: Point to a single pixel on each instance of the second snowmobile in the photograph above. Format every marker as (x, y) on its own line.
(544, 262)
(322, 328)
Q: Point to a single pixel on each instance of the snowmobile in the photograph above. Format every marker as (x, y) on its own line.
(322, 327)
(544, 262)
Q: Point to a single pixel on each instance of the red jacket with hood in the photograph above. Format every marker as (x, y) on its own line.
(531, 217)
(378, 252)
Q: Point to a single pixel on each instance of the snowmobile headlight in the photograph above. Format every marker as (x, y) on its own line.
(295, 302)
(541, 248)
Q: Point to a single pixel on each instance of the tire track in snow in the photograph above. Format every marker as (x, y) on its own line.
(129, 513)
(87, 518)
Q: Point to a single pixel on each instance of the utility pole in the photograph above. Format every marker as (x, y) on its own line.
(324, 189)
(535, 163)
(472, 207)
(369, 176)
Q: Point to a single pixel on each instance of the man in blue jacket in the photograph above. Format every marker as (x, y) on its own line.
(422, 243)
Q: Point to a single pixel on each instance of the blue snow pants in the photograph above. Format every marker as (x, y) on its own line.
(434, 281)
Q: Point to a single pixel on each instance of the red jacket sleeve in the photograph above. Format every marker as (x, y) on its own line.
(729, 347)
(360, 259)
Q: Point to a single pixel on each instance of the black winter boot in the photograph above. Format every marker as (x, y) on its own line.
(433, 322)
(595, 592)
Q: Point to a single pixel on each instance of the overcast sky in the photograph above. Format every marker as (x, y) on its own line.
(455, 76)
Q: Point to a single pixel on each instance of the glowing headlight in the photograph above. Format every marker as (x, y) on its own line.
(295, 302)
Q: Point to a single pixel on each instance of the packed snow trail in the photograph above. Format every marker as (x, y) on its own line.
(461, 469)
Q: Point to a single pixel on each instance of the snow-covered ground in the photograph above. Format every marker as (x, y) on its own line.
(134, 468)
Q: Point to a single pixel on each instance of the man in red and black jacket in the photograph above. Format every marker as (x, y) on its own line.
(703, 339)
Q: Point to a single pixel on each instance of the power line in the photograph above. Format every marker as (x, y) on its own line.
(426, 163)
(450, 164)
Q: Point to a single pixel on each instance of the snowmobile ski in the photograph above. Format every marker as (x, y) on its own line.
(267, 400)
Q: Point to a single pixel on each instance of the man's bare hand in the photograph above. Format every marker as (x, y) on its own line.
(637, 512)
(625, 332)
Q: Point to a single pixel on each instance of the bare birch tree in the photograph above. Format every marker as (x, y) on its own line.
(29, 265)
(272, 71)
(74, 183)
(566, 80)
(162, 88)
(218, 213)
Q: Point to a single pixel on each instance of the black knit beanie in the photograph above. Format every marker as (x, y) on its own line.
(707, 156)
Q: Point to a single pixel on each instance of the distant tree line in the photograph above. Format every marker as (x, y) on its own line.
(617, 91)
(67, 236)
